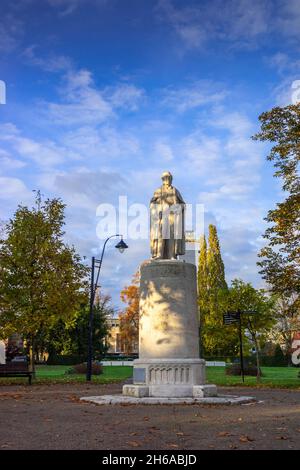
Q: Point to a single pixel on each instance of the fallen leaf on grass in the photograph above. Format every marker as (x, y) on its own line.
(173, 445)
(224, 434)
(281, 438)
(146, 418)
(14, 396)
(179, 434)
(246, 439)
(132, 433)
(75, 399)
(233, 446)
(133, 443)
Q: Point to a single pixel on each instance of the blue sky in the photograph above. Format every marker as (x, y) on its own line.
(103, 95)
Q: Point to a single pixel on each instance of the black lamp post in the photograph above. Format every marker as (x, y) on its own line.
(121, 246)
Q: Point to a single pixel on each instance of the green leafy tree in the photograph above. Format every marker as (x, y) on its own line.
(103, 310)
(202, 279)
(216, 270)
(41, 278)
(286, 315)
(279, 358)
(71, 338)
(244, 297)
(280, 264)
(212, 291)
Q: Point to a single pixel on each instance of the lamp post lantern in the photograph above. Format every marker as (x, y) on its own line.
(121, 246)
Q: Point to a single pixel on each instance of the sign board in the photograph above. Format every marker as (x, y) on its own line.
(231, 317)
(139, 375)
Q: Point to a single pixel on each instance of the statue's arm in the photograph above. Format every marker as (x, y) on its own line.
(156, 197)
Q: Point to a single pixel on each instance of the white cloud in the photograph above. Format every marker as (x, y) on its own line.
(163, 150)
(11, 30)
(238, 22)
(8, 162)
(51, 63)
(101, 143)
(200, 93)
(125, 96)
(201, 151)
(289, 18)
(67, 7)
(44, 153)
(82, 102)
(13, 191)
(10, 186)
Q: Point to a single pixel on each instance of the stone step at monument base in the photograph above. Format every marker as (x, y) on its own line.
(170, 391)
(128, 400)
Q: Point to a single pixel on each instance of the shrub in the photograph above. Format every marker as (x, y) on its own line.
(279, 358)
(97, 369)
(67, 360)
(235, 369)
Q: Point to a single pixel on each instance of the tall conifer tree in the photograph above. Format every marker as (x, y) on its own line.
(216, 270)
(202, 285)
(212, 292)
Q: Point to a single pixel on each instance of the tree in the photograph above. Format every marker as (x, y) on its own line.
(216, 270)
(202, 280)
(279, 358)
(242, 297)
(79, 333)
(129, 318)
(71, 338)
(281, 257)
(42, 279)
(287, 320)
(212, 291)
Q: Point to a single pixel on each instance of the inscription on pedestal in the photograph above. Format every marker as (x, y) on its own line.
(139, 375)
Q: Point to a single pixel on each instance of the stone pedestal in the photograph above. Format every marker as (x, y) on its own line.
(168, 364)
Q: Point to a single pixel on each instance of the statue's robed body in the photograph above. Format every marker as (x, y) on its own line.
(167, 209)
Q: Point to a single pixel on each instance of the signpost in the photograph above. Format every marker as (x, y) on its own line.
(229, 318)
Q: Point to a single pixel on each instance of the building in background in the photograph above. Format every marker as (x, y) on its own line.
(114, 341)
(114, 338)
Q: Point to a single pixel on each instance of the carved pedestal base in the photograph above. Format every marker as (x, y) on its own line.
(169, 378)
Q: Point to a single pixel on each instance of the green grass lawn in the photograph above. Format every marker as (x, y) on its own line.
(280, 377)
(56, 374)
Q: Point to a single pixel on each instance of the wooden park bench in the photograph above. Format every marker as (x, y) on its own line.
(16, 369)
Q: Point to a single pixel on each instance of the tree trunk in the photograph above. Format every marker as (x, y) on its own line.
(31, 356)
(258, 375)
(288, 353)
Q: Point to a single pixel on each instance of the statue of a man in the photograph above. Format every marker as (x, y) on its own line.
(167, 221)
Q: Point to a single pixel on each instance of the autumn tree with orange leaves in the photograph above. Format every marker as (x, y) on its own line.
(129, 318)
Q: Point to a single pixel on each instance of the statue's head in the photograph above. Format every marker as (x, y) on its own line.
(167, 178)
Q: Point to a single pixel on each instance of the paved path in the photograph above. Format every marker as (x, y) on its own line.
(52, 417)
